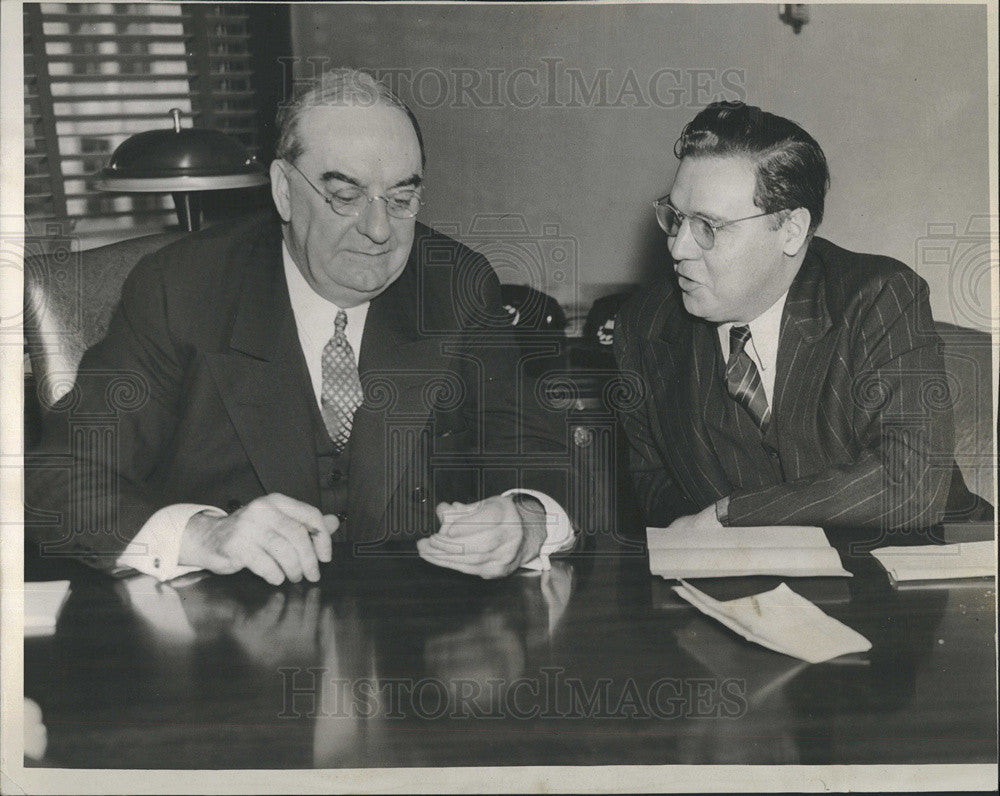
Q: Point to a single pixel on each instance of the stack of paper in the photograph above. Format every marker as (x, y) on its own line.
(782, 621)
(789, 551)
(42, 602)
(938, 562)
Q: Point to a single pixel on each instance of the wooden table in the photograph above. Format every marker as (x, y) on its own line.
(392, 662)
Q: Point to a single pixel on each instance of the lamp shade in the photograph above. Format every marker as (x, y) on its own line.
(180, 160)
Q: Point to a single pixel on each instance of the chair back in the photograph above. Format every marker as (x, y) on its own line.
(968, 361)
(69, 298)
(532, 311)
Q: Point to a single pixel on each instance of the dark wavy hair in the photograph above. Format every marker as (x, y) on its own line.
(791, 167)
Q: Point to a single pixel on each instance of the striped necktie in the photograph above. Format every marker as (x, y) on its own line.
(342, 394)
(743, 378)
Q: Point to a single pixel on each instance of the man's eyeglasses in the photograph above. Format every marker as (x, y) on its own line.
(351, 202)
(703, 231)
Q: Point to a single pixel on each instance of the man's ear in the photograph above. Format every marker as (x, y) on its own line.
(795, 230)
(279, 191)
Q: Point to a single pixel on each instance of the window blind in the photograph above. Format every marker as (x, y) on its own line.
(96, 73)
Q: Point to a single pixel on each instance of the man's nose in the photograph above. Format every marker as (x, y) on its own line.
(374, 221)
(683, 246)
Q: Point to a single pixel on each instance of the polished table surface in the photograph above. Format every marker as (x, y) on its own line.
(392, 662)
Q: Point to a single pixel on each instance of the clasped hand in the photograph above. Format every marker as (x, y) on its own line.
(278, 538)
(490, 538)
(275, 536)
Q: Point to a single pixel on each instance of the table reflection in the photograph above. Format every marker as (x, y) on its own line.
(389, 661)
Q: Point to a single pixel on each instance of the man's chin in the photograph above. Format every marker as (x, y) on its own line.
(372, 282)
(695, 305)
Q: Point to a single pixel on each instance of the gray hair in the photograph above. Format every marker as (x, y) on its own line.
(335, 87)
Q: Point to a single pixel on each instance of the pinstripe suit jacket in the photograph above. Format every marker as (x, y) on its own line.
(861, 434)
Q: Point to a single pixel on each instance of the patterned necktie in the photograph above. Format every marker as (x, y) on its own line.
(342, 393)
(743, 379)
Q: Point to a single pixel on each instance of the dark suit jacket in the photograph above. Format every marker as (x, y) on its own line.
(861, 434)
(200, 394)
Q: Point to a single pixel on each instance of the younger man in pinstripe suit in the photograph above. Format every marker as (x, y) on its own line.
(787, 381)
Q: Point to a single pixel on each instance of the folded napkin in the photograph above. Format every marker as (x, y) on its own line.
(781, 620)
(42, 602)
(789, 551)
(938, 562)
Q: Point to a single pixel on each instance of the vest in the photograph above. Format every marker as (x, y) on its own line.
(332, 472)
(747, 455)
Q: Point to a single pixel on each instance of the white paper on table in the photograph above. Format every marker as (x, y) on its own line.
(42, 602)
(789, 551)
(938, 562)
(819, 591)
(783, 621)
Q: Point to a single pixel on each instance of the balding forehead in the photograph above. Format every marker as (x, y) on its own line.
(386, 122)
(382, 123)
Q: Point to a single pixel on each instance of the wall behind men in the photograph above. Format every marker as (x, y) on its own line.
(549, 129)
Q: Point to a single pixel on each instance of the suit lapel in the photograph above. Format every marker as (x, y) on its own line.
(263, 379)
(804, 353)
(707, 393)
(394, 363)
(688, 352)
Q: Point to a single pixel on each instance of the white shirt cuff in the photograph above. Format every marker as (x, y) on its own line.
(156, 548)
(559, 535)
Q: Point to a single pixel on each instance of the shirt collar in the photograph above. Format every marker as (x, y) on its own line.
(765, 330)
(314, 315)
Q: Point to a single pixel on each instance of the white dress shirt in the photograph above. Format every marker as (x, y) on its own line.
(314, 317)
(156, 548)
(762, 346)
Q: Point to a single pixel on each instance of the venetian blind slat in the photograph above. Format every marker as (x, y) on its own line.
(97, 73)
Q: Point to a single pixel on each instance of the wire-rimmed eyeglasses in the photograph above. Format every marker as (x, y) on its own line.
(670, 220)
(353, 201)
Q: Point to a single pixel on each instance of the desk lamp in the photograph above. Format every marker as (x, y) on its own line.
(183, 163)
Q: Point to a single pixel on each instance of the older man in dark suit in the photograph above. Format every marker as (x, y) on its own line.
(788, 381)
(339, 369)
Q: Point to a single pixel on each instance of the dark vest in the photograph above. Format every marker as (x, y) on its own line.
(332, 472)
(748, 457)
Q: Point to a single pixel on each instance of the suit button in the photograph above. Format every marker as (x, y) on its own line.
(334, 477)
(342, 516)
(419, 495)
(233, 505)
